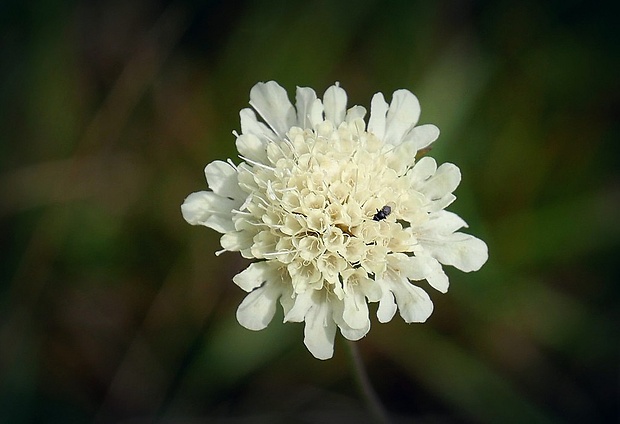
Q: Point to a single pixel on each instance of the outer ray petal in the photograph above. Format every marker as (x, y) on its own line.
(236, 241)
(335, 103)
(414, 304)
(251, 125)
(462, 251)
(258, 308)
(272, 103)
(209, 209)
(438, 205)
(309, 108)
(421, 136)
(402, 115)
(320, 330)
(435, 275)
(387, 306)
(405, 266)
(445, 180)
(355, 312)
(403, 154)
(377, 121)
(287, 300)
(355, 112)
(422, 171)
(349, 332)
(302, 304)
(251, 147)
(222, 179)
(442, 222)
(255, 275)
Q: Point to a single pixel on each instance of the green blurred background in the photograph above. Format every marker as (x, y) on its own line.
(113, 309)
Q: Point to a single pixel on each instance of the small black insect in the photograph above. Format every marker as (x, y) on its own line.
(382, 213)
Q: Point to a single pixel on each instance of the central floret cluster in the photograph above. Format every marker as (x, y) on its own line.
(312, 202)
(337, 214)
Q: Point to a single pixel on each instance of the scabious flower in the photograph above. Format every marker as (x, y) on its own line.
(336, 212)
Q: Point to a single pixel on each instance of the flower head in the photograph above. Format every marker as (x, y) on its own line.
(336, 212)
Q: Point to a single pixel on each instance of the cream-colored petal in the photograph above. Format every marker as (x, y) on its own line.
(355, 112)
(222, 179)
(438, 204)
(349, 332)
(460, 250)
(272, 103)
(400, 264)
(402, 115)
(377, 121)
(403, 155)
(251, 125)
(422, 171)
(209, 209)
(355, 312)
(303, 302)
(445, 180)
(236, 241)
(251, 147)
(421, 136)
(335, 104)
(435, 275)
(441, 222)
(320, 330)
(372, 290)
(258, 308)
(309, 107)
(353, 334)
(387, 306)
(287, 300)
(255, 275)
(414, 304)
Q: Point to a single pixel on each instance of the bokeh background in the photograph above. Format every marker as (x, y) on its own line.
(113, 309)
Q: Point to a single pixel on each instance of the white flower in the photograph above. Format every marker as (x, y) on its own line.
(337, 213)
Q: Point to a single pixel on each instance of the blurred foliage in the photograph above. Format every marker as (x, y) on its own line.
(113, 309)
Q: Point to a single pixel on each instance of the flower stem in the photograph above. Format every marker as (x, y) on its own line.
(361, 377)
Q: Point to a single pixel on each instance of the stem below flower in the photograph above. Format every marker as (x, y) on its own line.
(361, 377)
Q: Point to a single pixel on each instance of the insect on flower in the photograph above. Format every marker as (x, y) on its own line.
(383, 212)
